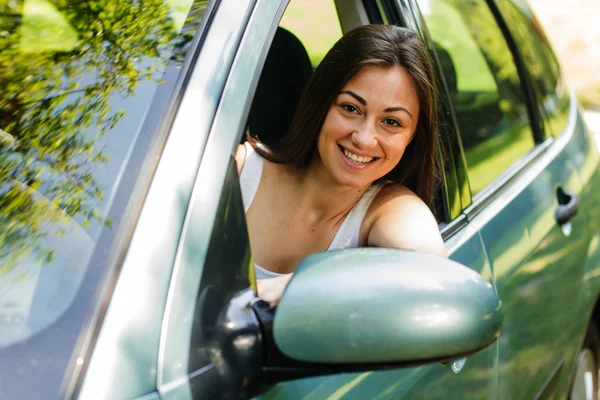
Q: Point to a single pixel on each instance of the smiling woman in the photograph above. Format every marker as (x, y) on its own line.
(357, 166)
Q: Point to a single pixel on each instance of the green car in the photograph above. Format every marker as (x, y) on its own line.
(125, 262)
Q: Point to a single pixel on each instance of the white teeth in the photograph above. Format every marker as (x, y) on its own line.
(357, 159)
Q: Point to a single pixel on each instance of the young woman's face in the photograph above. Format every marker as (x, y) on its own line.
(369, 125)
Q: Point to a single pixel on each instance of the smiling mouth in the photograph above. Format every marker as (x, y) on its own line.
(353, 158)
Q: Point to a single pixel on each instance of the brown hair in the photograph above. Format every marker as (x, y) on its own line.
(369, 45)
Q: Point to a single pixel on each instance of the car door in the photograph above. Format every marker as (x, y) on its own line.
(519, 178)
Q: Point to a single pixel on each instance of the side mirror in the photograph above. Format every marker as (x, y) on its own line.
(369, 308)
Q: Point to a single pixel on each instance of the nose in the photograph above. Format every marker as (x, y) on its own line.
(364, 137)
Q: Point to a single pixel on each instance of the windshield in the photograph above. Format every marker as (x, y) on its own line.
(77, 79)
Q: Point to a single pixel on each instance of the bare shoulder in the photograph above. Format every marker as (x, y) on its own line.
(240, 157)
(400, 219)
(396, 199)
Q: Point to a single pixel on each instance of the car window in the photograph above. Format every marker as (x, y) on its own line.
(77, 80)
(552, 95)
(484, 85)
(276, 90)
(307, 30)
(315, 23)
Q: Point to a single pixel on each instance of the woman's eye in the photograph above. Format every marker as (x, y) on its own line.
(392, 122)
(350, 108)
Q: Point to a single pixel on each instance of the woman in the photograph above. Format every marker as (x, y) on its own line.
(357, 167)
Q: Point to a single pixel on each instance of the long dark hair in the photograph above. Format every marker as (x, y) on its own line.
(369, 45)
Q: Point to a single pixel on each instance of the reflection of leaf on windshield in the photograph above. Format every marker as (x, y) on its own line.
(60, 63)
(44, 28)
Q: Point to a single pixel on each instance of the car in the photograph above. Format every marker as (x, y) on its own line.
(126, 268)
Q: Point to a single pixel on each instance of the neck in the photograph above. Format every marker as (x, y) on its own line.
(320, 198)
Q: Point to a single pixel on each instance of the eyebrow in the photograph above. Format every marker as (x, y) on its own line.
(357, 97)
(364, 103)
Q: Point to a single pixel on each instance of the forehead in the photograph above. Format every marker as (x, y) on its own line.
(384, 85)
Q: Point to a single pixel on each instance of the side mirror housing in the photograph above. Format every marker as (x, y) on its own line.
(370, 308)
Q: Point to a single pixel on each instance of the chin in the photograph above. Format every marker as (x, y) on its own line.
(353, 182)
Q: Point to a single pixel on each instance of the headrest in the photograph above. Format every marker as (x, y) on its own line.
(287, 70)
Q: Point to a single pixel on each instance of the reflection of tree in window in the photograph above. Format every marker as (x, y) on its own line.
(534, 47)
(62, 65)
(491, 43)
(484, 86)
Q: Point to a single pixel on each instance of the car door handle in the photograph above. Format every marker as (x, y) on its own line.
(568, 204)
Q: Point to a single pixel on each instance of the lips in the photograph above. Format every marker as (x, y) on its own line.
(356, 159)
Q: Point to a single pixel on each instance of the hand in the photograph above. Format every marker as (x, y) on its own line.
(271, 290)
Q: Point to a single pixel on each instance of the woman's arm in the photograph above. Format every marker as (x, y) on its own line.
(240, 157)
(403, 221)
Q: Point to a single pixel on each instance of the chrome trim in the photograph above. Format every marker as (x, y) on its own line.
(510, 185)
(481, 199)
(449, 229)
(407, 8)
(146, 271)
(225, 133)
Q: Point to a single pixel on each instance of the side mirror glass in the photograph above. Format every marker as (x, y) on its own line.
(390, 307)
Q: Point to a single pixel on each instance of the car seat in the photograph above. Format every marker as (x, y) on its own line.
(286, 71)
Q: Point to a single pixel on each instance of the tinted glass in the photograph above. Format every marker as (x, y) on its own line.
(552, 96)
(77, 79)
(484, 86)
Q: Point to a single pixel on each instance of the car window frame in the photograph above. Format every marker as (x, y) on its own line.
(255, 38)
(454, 182)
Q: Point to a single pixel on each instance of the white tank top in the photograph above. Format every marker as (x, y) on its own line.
(348, 233)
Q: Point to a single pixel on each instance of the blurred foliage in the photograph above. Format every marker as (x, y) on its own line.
(590, 98)
(61, 61)
(315, 23)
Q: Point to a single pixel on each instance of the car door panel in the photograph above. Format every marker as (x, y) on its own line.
(538, 268)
